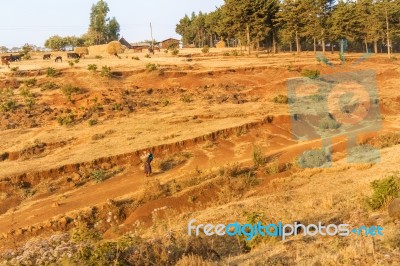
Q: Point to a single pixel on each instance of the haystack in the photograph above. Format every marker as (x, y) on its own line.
(114, 47)
(97, 49)
(221, 44)
(81, 50)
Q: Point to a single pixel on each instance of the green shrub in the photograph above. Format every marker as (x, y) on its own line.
(30, 82)
(312, 159)
(147, 56)
(106, 72)
(281, 99)
(186, 98)
(383, 191)
(8, 105)
(71, 63)
(92, 67)
(151, 67)
(175, 51)
(135, 58)
(226, 54)
(205, 50)
(165, 102)
(51, 72)
(76, 61)
(69, 90)
(66, 120)
(99, 175)
(14, 69)
(117, 107)
(98, 57)
(328, 123)
(92, 122)
(258, 156)
(49, 86)
(312, 74)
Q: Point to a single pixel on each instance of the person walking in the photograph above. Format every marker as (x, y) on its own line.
(147, 164)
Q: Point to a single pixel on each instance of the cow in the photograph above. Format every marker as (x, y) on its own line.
(73, 55)
(5, 60)
(14, 58)
(58, 58)
(46, 56)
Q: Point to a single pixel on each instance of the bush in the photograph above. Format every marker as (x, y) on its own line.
(226, 54)
(30, 82)
(175, 51)
(92, 67)
(281, 99)
(151, 67)
(98, 57)
(312, 74)
(8, 105)
(69, 91)
(92, 122)
(186, 98)
(66, 120)
(14, 69)
(384, 191)
(205, 50)
(49, 86)
(106, 72)
(51, 72)
(328, 123)
(71, 63)
(147, 56)
(135, 58)
(99, 175)
(312, 159)
(258, 156)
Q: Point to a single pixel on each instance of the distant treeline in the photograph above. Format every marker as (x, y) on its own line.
(298, 25)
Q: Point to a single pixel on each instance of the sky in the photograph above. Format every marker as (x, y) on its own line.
(24, 21)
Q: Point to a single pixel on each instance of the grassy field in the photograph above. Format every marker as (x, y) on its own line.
(72, 186)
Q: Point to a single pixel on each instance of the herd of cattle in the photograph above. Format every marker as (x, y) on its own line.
(5, 60)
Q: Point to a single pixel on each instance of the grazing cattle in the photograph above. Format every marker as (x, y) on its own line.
(14, 58)
(73, 55)
(58, 58)
(46, 56)
(5, 60)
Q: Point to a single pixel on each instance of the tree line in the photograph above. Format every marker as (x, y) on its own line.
(102, 29)
(298, 25)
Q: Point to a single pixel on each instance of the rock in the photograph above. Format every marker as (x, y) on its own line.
(394, 209)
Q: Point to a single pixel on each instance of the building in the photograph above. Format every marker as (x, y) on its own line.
(125, 42)
(169, 43)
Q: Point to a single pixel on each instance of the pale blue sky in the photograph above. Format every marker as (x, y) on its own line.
(25, 21)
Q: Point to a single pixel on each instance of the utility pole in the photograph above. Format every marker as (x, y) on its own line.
(152, 40)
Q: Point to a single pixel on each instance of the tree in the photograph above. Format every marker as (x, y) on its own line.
(113, 30)
(3, 49)
(102, 29)
(55, 42)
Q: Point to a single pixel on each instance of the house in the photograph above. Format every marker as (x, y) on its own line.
(169, 43)
(125, 42)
